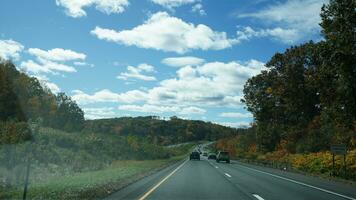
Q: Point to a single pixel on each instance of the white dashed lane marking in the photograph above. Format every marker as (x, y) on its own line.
(258, 197)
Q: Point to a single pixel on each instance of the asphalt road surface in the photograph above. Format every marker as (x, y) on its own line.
(206, 179)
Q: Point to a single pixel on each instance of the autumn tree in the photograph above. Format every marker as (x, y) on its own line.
(69, 115)
(307, 96)
(337, 73)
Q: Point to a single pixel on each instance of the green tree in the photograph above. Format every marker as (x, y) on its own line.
(69, 115)
(10, 107)
(284, 99)
(337, 74)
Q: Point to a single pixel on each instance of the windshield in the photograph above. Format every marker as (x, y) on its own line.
(178, 99)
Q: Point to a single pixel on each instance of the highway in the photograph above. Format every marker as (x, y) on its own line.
(206, 179)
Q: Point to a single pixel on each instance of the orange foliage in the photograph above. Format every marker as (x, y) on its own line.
(252, 148)
(227, 145)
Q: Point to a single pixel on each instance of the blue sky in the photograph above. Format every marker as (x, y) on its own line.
(188, 58)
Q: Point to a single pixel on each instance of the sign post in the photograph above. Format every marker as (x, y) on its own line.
(338, 149)
(34, 129)
(26, 178)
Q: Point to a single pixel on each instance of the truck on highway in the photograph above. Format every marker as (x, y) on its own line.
(223, 156)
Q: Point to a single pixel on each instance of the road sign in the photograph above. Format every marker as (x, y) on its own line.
(338, 149)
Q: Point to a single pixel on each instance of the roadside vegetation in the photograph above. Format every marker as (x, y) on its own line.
(315, 163)
(89, 185)
(306, 101)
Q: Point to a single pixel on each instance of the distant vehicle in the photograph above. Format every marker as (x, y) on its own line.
(205, 154)
(194, 155)
(223, 156)
(212, 156)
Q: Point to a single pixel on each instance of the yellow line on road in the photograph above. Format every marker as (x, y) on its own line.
(158, 184)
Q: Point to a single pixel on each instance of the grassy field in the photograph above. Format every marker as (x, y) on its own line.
(80, 165)
(90, 185)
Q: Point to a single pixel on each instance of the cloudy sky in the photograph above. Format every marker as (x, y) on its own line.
(188, 58)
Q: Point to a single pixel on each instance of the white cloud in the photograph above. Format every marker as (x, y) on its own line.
(198, 8)
(293, 20)
(288, 36)
(74, 8)
(292, 13)
(56, 54)
(54, 66)
(108, 96)
(192, 110)
(10, 49)
(51, 61)
(214, 84)
(164, 32)
(136, 73)
(285, 35)
(235, 115)
(52, 86)
(33, 67)
(211, 84)
(99, 113)
(100, 96)
(190, 93)
(170, 4)
(183, 61)
(45, 66)
(133, 96)
(147, 108)
(77, 63)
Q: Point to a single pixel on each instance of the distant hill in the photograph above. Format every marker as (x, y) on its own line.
(164, 132)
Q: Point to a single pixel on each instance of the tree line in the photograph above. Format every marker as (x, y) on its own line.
(162, 132)
(24, 99)
(306, 99)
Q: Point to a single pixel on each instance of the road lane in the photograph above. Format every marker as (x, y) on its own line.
(197, 180)
(275, 184)
(162, 181)
(207, 179)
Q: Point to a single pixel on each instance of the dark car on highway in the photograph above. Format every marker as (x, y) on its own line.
(194, 156)
(212, 156)
(223, 156)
